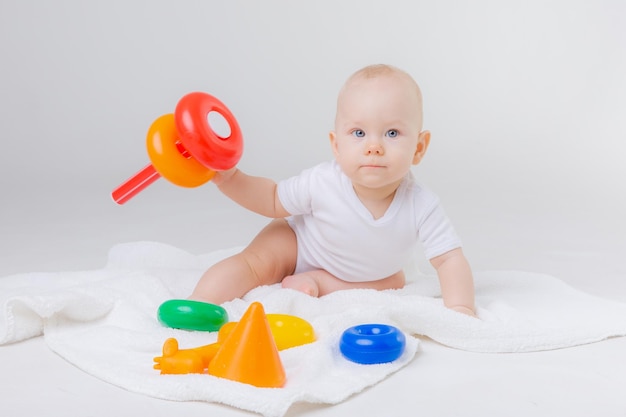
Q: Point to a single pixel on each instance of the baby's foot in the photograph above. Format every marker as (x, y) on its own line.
(302, 283)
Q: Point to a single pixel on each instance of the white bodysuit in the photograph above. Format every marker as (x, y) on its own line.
(336, 233)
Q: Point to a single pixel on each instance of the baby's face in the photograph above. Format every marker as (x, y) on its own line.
(377, 133)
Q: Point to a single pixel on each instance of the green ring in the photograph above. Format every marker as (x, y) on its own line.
(192, 315)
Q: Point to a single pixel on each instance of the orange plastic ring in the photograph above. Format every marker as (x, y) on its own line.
(197, 136)
(170, 159)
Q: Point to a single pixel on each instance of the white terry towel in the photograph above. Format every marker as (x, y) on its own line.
(104, 322)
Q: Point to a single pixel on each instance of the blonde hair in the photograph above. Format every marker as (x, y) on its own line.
(384, 70)
(376, 70)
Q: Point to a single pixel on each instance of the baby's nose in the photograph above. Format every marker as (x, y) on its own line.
(374, 149)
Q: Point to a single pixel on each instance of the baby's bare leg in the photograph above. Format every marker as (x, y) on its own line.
(266, 260)
(319, 282)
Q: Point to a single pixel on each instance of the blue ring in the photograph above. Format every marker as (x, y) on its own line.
(372, 343)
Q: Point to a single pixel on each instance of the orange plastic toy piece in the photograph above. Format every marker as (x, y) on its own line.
(249, 353)
(164, 150)
(184, 361)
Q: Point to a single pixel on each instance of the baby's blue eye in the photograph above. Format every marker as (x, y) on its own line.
(393, 133)
(358, 133)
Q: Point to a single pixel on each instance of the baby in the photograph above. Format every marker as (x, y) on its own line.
(353, 222)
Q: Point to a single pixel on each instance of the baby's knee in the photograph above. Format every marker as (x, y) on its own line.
(268, 265)
(262, 266)
(301, 283)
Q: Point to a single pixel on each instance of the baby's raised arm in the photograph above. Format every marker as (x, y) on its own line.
(257, 194)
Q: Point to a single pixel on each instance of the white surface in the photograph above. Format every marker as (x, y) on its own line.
(526, 104)
(439, 382)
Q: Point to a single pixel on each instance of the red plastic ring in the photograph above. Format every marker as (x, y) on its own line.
(199, 139)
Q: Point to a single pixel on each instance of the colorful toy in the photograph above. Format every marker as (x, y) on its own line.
(192, 315)
(184, 361)
(249, 354)
(184, 149)
(287, 331)
(372, 343)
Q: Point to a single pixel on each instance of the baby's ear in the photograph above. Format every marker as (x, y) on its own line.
(333, 142)
(423, 141)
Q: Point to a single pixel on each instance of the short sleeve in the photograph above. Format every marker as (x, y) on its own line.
(295, 193)
(437, 234)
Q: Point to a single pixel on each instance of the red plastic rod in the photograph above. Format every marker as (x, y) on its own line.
(135, 184)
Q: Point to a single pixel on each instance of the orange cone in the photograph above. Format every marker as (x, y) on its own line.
(249, 353)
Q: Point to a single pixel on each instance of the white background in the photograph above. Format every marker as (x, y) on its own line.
(526, 102)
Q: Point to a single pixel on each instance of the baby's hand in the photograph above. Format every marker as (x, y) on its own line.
(223, 176)
(464, 310)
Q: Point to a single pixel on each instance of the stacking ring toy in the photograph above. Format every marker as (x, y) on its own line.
(372, 343)
(184, 149)
(198, 137)
(192, 315)
(288, 331)
(168, 160)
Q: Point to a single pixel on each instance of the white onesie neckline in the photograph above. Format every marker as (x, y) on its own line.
(363, 212)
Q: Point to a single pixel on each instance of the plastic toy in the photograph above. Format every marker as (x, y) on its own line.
(288, 331)
(184, 361)
(249, 353)
(184, 149)
(192, 315)
(372, 343)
